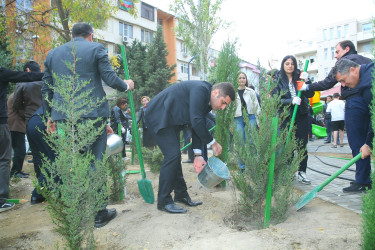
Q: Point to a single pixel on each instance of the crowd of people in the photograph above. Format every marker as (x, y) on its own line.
(185, 105)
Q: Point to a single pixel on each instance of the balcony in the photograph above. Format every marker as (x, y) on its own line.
(364, 36)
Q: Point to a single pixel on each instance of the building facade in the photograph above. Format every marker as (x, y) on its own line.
(321, 50)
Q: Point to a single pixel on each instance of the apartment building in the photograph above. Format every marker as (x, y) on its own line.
(123, 27)
(321, 50)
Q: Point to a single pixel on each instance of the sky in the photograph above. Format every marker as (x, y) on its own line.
(264, 27)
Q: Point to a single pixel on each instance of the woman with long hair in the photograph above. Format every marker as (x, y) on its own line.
(287, 84)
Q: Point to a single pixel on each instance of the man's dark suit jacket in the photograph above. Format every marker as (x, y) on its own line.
(182, 103)
(28, 97)
(92, 64)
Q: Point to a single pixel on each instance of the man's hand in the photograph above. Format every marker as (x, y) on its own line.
(366, 152)
(216, 147)
(304, 87)
(51, 126)
(109, 130)
(199, 164)
(130, 84)
(296, 100)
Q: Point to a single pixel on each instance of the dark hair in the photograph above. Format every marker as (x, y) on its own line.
(336, 95)
(120, 101)
(82, 30)
(329, 96)
(347, 43)
(33, 66)
(272, 72)
(343, 66)
(247, 83)
(252, 87)
(295, 72)
(225, 89)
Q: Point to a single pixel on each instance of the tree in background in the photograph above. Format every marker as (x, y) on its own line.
(148, 68)
(226, 70)
(53, 20)
(197, 23)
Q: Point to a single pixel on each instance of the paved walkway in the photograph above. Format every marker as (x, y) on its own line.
(333, 191)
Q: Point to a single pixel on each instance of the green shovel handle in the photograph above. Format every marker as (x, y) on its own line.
(134, 119)
(345, 167)
(187, 145)
(295, 108)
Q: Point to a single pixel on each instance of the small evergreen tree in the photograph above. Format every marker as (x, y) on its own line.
(256, 152)
(158, 71)
(75, 186)
(226, 70)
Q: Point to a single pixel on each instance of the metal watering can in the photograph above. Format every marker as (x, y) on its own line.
(114, 144)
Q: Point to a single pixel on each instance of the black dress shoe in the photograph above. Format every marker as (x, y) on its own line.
(188, 201)
(172, 208)
(35, 200)
(24, 173)
(19, 175)
(104, 216)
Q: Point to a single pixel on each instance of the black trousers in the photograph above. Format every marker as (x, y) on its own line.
(302, 127)
(171, 177)
(19, 150)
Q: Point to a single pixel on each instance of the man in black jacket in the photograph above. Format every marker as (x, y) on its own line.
(183, 103)
(355, 111)
(7, 75)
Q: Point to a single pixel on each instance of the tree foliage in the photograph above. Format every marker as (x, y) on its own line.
(226, 70)
(52, 20)
(198, 21)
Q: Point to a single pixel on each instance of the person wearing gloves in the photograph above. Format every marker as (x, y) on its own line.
(355, 107)
(246, 105)
(287, 81)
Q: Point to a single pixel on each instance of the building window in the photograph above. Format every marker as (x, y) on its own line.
(125, 30)
(332, 53)
(24, 5)
(366, 27)
(338, 31)
(346, 30)
(311, 59)
(184, 49)
(312, 77)
(146, 36)
(325, 35)
(331, 33)
(326, 72)
(184, 68)
(325, 54)
(147, 11)
(367, 48)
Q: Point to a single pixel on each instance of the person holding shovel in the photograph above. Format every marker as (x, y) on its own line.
(359, 78)
(94, 67)
(287, 84)
(186, 102)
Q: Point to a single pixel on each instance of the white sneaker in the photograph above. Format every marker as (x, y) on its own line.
(6, 206)
(301, 176)
(126, 158)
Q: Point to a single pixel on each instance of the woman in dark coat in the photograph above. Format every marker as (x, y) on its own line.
(118, 117)
(287, 81)
(148, 140)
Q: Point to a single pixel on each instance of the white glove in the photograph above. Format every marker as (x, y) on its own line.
(296, 100)
(123, 130)
(304, 75)
(304, 87)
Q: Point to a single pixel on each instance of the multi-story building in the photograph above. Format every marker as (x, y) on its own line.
(321, 50)
(123, 27)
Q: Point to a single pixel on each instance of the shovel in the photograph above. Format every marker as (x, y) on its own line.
(309, 196)
(145, 186)
(295, 108)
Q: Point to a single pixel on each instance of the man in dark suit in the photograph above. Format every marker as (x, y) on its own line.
(183, 103)
(91, 64)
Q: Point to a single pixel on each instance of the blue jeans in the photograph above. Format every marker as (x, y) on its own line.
(240, 127)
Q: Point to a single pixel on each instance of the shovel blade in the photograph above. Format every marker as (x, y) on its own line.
(145, 188)
(305, 199)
